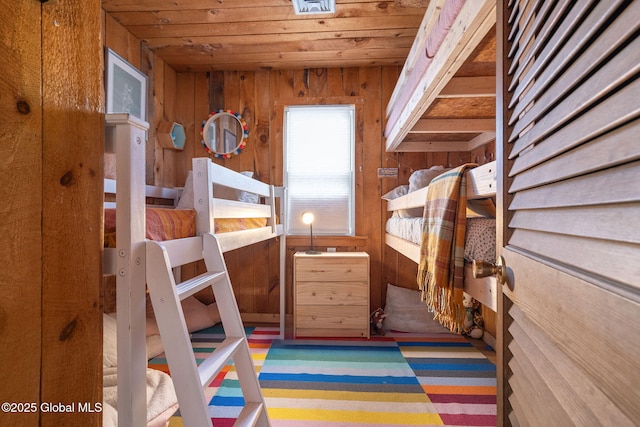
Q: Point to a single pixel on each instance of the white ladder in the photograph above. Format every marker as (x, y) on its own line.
(190, 379)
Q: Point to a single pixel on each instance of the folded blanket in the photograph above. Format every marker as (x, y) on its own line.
(161, 397)
(441, 268)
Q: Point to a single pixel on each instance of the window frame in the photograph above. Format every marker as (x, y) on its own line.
(349, 222)
(280, 104)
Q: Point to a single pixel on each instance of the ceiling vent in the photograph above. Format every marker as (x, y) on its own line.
(310, 7)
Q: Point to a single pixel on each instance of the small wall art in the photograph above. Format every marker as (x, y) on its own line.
(126, 87)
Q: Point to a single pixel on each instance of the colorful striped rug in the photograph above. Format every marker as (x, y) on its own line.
(396, 380)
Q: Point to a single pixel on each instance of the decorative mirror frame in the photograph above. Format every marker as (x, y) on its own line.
(240, 146)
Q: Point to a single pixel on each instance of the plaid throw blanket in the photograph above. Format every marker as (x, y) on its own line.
(441, 269)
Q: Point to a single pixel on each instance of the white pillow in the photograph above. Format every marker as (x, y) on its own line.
(197, 315)
(402, 213)
(421, 178)
(110, 345)
(401, 190)
(154, 346)
(406, 313)
(109, 341)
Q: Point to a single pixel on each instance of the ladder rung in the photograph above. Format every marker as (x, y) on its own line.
(191, 286)
(249, 414)
(210, 367)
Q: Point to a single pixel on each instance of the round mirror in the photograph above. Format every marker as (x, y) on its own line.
(224, 134)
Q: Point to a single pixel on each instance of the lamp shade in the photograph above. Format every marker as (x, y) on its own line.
(307, 218)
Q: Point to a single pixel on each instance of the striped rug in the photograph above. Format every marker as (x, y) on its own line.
(396, 380)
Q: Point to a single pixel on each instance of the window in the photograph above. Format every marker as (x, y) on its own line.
(319, 143)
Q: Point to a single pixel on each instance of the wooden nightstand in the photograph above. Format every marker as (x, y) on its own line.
(331, 294)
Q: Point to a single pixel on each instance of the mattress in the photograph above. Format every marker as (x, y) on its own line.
(480, 239)
(168, 224)
(405, 228)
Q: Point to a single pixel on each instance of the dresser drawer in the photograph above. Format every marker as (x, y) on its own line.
(332, 293)
(339, 321)
(342, 269)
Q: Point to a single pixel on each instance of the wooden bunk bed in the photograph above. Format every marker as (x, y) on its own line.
(444, 101)
(481, 184)
(125, 136)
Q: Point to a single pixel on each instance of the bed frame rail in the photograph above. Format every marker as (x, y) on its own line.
(206, 175)
(481, 183)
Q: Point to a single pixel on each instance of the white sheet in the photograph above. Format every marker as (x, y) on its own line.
(480, 242)
(405, 228)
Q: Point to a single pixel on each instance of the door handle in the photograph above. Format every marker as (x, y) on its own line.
(486, 269)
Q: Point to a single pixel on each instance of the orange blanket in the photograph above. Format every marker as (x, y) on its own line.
(161, 224)
(168, 224)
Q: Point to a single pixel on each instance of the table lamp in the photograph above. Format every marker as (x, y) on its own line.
(307, 218)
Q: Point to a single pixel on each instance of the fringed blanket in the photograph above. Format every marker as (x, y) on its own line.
(441, 269)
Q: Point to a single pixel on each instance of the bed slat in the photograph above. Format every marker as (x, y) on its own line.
(232, 179)
(238, 239)
(232, 209)
(481, 183)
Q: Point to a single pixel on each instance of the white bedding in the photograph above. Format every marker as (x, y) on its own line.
(480, 242)
(406, 228)
(161, 397)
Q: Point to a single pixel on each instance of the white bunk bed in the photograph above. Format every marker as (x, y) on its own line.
(125, 136)
(444, 101)
(481, 184)
(447, 65)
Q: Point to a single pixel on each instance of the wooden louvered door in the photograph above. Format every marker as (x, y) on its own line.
(569, 141)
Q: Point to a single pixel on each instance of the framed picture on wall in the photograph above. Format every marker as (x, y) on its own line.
(126, 87)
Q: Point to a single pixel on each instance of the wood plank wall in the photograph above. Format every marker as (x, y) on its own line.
(255, 95)
(21, 278)
(72, 147)
(51, 167)
(189, 97)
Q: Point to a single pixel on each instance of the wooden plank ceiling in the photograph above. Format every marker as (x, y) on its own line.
(244, 35)
(203, 35)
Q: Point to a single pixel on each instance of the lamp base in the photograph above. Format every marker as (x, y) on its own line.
(313, 252)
